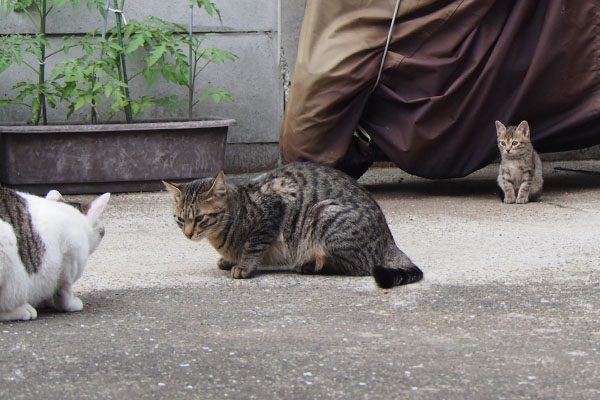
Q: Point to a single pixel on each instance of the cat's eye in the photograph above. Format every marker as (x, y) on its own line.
(199, 219)
(503, 143)
(514, 143)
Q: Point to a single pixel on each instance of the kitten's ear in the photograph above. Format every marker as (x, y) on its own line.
(97, 206)
(500, 128)
(523, 128)
(54, 195)
(173, 188)
(219, 186)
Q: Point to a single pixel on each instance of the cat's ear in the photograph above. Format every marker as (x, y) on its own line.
(97, 206)
(173, 188)
(54, 195)
(500, 128)
(523, 128)
(219, 186)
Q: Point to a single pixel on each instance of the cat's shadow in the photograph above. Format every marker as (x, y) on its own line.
(434, 188)
(93, 303)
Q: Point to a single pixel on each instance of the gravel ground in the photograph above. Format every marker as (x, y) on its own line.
(509, 307)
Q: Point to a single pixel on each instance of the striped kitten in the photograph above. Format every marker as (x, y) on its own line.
(520, 175)
(44, 247)
(303, 215)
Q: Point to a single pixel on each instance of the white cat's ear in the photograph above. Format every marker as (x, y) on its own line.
(97, 206)
(500, 128)
(54, 195)
(219, 186)
(523, 128)
(173, 188)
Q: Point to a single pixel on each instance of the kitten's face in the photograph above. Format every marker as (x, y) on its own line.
(513, 141)
(199, 206)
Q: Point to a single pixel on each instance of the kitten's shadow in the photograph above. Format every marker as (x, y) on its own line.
(571, 181)
(557, 181)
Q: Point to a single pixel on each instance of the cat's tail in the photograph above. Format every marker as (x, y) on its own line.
(398, 270)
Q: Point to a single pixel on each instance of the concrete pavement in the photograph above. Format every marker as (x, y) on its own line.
(509, 307)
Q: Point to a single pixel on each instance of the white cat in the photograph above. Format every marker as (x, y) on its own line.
(44, 247)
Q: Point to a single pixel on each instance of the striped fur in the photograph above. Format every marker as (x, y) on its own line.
(13, 210)
(520, 175)
(303, 215)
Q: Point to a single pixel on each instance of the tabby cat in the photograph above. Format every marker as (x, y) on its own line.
(520, 175)
(44, 247)
(307, 216)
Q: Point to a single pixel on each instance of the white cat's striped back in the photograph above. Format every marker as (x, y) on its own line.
(44, 246)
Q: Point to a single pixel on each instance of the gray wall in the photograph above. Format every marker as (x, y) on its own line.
(262, 33)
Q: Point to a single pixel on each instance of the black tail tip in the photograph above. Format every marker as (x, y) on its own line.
(389, 277)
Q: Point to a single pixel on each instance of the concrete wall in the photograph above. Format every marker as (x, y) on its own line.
(262, 33)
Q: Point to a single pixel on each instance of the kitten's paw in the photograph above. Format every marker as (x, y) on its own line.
(24, 312)
(521, 200)
(509, 200)
(238, 272)
(225, 265)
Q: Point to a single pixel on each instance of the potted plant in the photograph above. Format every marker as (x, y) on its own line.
(117, 156)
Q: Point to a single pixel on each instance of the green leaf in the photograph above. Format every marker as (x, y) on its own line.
(79, 102)
(227, 97)
(156, 54)
(51, 101)
(150, 76)
(135, 42)
(209, 7)
(135, 107)
(71, 110)
(97, 86)
(19, 85)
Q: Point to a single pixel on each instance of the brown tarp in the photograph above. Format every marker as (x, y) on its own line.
(452, 69)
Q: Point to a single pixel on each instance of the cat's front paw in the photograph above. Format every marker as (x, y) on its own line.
(68, 303)
(25, 312)
(74, 305)
(522, 200)
(239, 272)
(307, 268)
(225, 264)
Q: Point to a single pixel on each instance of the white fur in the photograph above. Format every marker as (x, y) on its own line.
(69, 238)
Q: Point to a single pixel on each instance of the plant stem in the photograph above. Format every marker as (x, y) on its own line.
(191, 73)
(122, 65)
(42, 69)
(61, 50)
(93, 112)
(28, 14)
(31, 67)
